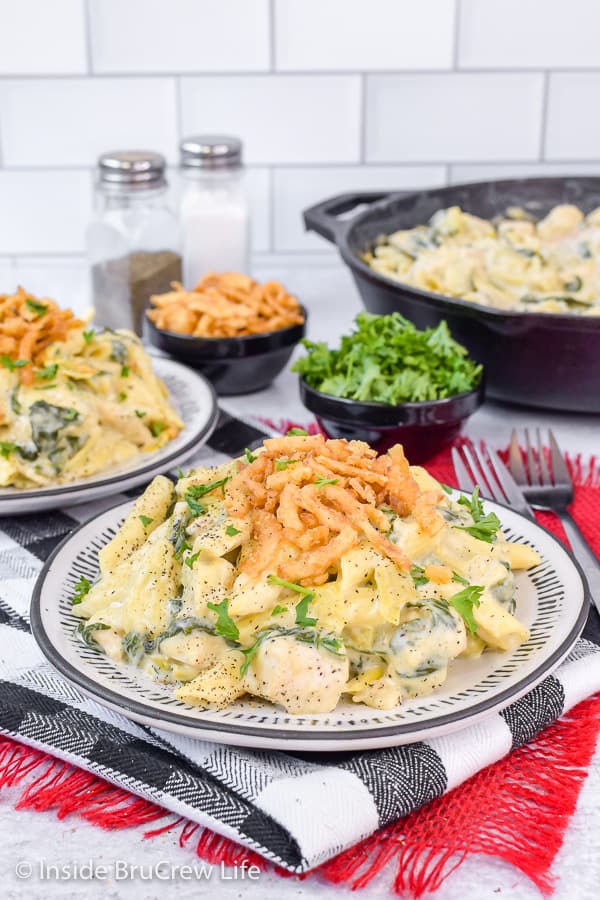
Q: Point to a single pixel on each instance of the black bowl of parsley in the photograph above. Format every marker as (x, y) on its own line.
(391, 383)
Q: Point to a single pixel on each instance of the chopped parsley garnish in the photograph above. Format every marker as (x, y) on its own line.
(123, 396)
(388, 360)
(48, 372)
(225, 626)
(458, 578)
(140, 413)
(146, 520)
(463, 603)
(88, 335)
(297, 432)
(279, 610)
(40, 309)
(231, 531)
(417, 573)
(302, 605)
(200, 490)
(485, 526)
(190, 560)
(250, 457)
(6, 448)
(81, 587)
(446, 488)
(321, 482)
(282, 464)
(125, 371)
(195, 507)
(12, 364)
(157, 428)
(181, 548)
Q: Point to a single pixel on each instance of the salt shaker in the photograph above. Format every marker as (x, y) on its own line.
(213, 208)
(133, 239)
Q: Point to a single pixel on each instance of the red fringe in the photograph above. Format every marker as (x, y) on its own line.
(518, 810)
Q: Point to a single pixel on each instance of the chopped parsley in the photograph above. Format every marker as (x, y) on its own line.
(81, 587)
(388, 360)
(250, 457)
(157, 428)
(463, 603)
(485, 526)
(146, 520)
(321, 482)
(231, 531)
(140, 413)
(282, 464)
(122, 396)
(190, 560)
(297, 432)
(417, 573)
(302, 606)
(48, 372)
(6, 448)
(446, 488)
(88, 335)
(279, 610)
(40, 309)
(200, 490)
(458, 578)
(12, 364)
(125, 371)
(225, 626)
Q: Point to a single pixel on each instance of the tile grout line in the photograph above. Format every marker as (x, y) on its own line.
(363, 119)
(544, 121)
(87, 25)
(294, 73)
(456, 36)
(272, 44)
(178, 108)
(271, 207)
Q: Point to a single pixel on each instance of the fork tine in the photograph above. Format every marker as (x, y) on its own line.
(463, 477)
(509, 486)
(515, 460)
(494, 488)
(545, 474)
(559, 466)
(479, 470)
(534, 477)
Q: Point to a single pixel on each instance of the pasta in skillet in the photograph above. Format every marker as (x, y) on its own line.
(309, 570)
(73, 401)
(512, 263)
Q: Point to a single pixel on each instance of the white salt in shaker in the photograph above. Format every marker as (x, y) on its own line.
(213, 207)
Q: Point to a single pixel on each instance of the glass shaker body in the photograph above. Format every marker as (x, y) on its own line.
(133, 246)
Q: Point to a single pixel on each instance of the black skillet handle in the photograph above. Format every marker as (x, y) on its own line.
(324, 217)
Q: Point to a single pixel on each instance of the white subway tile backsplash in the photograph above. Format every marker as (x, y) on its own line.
(354, 35)
(464, 173)
(142, 36)
(44, 211)
(259, 192)
(42, 38)
(511, 34)
(453, 117)
(296, 188)
(573, 128)
(68, 122)
(280, 118)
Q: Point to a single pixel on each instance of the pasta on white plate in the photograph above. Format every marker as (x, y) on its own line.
(74, 401)
(307, 571)
(512, 263)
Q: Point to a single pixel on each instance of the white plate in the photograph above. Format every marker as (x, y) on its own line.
(194, 399)
(551, 601)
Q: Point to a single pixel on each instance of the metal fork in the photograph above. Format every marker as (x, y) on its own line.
(494, 480)
(553, 489)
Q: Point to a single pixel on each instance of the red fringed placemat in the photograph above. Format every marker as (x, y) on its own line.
(517, 810)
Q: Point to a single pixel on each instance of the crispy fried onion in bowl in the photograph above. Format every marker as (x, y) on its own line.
(307, 570)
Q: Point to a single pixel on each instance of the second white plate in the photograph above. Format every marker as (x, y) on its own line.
(194, 399)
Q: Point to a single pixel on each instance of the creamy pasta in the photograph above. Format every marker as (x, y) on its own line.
(512, 263)
(302, 573)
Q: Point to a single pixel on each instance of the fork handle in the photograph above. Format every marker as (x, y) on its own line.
(584, 554)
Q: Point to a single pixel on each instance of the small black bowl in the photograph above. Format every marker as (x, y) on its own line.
(422, 428)
(235, 365)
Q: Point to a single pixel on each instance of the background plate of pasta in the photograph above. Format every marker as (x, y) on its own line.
(85, 411)
(308, 595)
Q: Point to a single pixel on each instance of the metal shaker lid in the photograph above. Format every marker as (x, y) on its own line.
(210, 151)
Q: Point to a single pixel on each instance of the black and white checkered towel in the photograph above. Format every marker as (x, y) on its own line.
(295, 810)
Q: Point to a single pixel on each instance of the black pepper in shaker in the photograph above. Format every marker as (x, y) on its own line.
(133, 238)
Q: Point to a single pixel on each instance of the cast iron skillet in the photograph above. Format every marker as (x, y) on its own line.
(533, 359)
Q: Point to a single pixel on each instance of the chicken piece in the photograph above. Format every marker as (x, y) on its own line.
(299, 676)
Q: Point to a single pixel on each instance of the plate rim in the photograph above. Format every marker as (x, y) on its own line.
(45, 493)
(295, 739)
